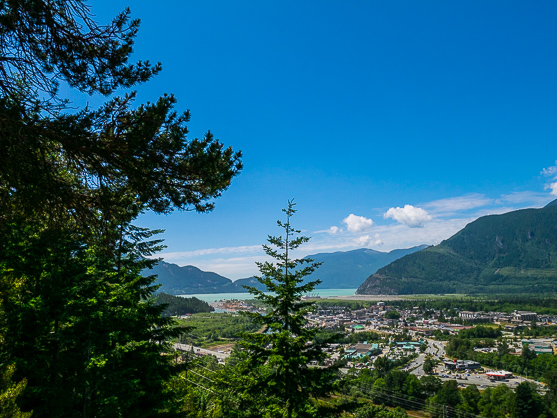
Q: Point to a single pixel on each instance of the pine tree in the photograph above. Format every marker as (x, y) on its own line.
(275, 377)
(9, 394)
(63, 159)
(76, 317)
(79, 324)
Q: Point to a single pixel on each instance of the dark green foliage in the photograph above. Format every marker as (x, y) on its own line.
(392, 315)
(37, 52)
(374, 411)
(527, 354)
(539, 331)
(345, 304)
(497, 402)
(78, 327)
(448, 394)
(503, 349)
(94, 154)
(470, 399)
(441, 335)
(546, 304)
(274, 372)
(430, 385)
(209, 329)
(327, 335)
(509, 253)
(394, 387)
(178, 306)
(384, 364)
(195, 389)
(429, 365)
(480, 332)
(10, 393)
(73, 162)
(527, 402)
(76, 315)
(462, 348)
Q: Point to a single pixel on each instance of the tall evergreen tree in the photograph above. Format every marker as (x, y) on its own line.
(75, 315)
(275, 377)
(79, 325)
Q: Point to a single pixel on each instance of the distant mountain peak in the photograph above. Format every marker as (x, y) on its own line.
(552, 203)
(340, 270)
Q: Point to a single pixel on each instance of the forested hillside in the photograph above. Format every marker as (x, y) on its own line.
(509, 253)
(178, 306)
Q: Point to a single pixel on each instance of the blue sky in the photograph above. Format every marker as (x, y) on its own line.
(391, 123)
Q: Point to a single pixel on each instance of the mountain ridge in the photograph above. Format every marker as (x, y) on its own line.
(507, 253)
(340, 270)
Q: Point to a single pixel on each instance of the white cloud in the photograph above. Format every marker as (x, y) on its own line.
(550, 171)
(521, 200)
(452, 205)
(553, 188)
(409, 216)
(437, 221)
(367, 241)
(363, 241)
(356, 223)
(210, 251)
(395, 236)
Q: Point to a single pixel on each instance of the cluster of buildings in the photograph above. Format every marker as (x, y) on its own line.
(413, 321)
(539, 346)
(233, 305)
(335, 317)
(516, 317)
(462, 365)
(376, 317)
(361, 350)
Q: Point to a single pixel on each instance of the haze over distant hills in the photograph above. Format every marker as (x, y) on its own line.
(509, 253)
(340, 270)
(348, 269)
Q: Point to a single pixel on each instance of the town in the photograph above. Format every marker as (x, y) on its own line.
(415, 339)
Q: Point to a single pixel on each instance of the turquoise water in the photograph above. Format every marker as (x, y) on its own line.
(212, 297)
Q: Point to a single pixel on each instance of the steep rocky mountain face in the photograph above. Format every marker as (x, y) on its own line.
(510, 253)
(340, 270)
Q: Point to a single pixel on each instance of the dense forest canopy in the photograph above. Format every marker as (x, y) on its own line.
(178, 306)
